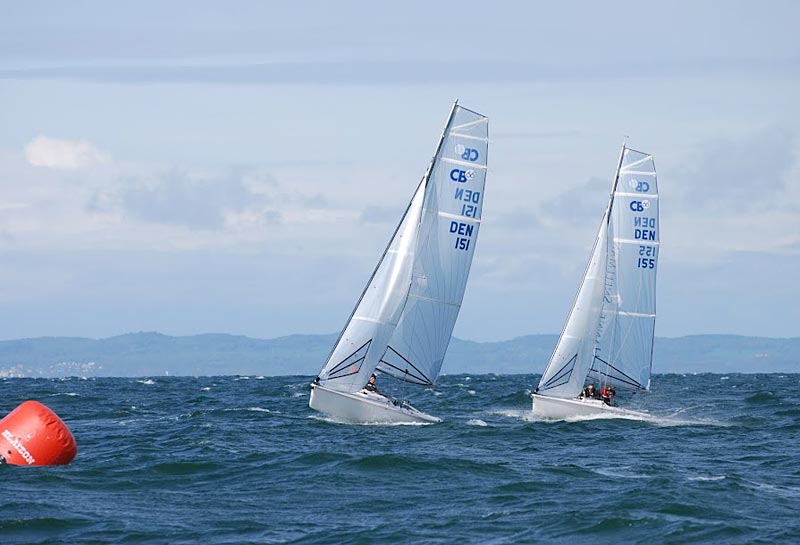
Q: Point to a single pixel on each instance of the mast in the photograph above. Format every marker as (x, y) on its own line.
(423, 182)
(565, 372)
(616, 180)
(415, 352)
(610, 242)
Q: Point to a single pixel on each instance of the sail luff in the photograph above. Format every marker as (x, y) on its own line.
(616, 182)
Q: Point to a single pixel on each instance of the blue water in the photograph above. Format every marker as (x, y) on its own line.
(244, 460)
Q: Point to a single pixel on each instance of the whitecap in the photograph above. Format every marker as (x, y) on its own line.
(620, 473)
(514, 413)
(254, 409)
(332, 420)
(476, 422)
(146, 381)
(708, 478)
(471, 392)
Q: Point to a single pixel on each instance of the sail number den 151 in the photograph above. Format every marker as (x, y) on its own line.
(469, 201)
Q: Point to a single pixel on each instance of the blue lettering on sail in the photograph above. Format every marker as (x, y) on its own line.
(464, 229)
(467, 195)
(461, 228)
(461, 176)
(643, 221)
(644, 234)
(468, 154)
(639, 206)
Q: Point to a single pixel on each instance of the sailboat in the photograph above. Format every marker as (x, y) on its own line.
(608, 336)
(402, 323)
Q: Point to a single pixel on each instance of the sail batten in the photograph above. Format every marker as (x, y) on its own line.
(610, 329)
(459, 217)
(463, 163)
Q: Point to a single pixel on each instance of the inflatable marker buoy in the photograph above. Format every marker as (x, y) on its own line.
(33, 435)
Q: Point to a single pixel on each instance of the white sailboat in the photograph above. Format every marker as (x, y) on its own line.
(402, 323)
(608, 336)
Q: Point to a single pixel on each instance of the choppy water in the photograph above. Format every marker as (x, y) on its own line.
(244, 460)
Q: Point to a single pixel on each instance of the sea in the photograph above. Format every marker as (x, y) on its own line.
(242, 459)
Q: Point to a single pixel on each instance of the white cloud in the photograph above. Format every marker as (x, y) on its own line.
(56, 153)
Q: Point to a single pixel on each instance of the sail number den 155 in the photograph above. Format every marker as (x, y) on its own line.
(647, 257)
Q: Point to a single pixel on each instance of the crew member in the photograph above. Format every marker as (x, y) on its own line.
(607, 394)
(370, 385)
(589, 392)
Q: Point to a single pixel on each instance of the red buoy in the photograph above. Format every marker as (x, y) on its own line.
(33, 435)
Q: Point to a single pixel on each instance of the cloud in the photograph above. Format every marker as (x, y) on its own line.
(738, 173)
(380, 214)
(178, 198)
(56, 153)
(580, 205)
(400, 72)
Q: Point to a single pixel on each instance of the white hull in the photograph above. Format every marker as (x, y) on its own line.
(364, 407)
(558, 408)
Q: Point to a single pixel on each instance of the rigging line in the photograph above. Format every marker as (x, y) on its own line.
(336, 367)
(551, 361)
(483, 117)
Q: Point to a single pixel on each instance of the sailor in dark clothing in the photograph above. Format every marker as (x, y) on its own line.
(370, 385)
(608, 394)
(589, 392)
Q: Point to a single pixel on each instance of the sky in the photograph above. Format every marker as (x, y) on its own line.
(238, 167)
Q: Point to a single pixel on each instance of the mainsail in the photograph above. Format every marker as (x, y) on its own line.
(609, 332)
(404, 319)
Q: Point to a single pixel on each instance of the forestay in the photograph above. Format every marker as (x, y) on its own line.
(609, 332)
(404, 319)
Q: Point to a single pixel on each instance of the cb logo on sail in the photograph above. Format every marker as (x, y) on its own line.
(640, 186)
(461, 176)
(468, 154)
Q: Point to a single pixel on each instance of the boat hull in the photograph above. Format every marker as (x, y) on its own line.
(558, 408)
(365, 408)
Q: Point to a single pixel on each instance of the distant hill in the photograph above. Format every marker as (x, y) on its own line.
(140, 354)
